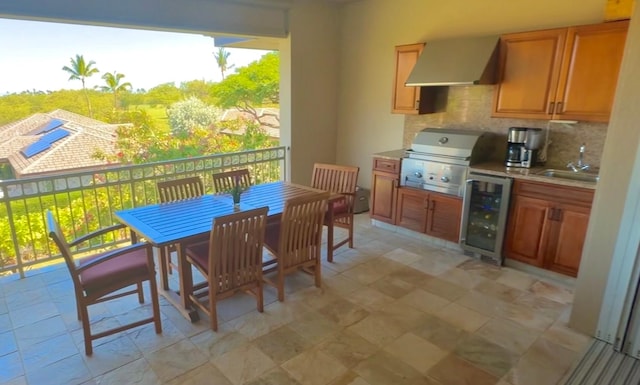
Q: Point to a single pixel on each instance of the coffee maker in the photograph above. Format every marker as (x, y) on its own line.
(532, 144)
(523, 145)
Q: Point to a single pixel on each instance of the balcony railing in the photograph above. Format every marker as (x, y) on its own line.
(85, 201)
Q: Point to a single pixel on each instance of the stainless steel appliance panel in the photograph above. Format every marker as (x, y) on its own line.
(484, 219)
(446, 178)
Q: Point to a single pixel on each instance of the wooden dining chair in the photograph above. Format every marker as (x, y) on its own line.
(172, 191)
(225, 181)
(296, 240)
(231, 261)
(102, 276)
(342, 180)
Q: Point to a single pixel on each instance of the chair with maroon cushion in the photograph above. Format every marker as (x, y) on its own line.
(225, 181)
(231, 261)
(172, 191)
(296, 240)
(101, 277)
(342, 180)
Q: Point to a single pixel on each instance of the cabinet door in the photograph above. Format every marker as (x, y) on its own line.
(529, 69)
(383, 193)
(590, 70)
(443, 218)
(405, 99)
(411, 211)
(527, 231)
(571, 224)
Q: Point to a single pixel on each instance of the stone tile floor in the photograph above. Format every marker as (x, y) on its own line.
(394, 310)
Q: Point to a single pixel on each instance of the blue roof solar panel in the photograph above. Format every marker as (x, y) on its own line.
(55, 135)
(50, 125)
(35, 148)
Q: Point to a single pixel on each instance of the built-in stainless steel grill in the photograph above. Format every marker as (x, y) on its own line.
(439, 157)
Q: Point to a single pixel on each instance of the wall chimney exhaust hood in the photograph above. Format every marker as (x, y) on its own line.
(461, 61)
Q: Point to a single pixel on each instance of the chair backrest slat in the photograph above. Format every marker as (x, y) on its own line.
(335, 178)
(235, 252)
(55, 233)
(301, 229)
(180, 189)
(225, 181)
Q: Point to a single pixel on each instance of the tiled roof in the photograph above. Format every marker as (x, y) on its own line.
(270, 116)
(72, 152)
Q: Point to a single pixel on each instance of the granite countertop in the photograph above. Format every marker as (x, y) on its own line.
(393, 154)
(499, 169)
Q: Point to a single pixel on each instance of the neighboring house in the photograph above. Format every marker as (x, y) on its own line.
(54, 142)
(269, 121)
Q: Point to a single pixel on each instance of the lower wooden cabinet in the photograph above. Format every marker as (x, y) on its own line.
(384, 186)
(429, 212)
(547, 225)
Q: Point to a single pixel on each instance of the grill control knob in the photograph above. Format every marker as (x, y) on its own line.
(444, 178)
(443, 140)
(417, 174)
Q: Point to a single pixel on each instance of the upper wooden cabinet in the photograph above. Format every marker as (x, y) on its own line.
(413, 100)
(565, 73)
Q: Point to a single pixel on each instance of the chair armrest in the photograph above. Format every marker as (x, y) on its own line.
(112, 254)
(95, 234)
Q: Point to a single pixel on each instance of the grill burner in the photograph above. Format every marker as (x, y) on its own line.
(439, 157)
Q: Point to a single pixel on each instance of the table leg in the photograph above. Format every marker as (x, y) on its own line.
(330, 233)
(180, 299)
(162, 267)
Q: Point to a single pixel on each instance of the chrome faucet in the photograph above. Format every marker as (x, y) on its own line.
(580, 165)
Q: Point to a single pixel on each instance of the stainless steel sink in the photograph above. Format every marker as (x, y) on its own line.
(565, 174)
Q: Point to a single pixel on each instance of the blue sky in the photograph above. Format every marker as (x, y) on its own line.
(32, 55)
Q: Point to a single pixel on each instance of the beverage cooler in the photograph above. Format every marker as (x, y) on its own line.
(484, 219)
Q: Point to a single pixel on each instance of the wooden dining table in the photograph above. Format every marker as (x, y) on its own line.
(182, 222)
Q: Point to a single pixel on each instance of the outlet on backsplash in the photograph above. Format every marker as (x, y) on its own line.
(469, 107)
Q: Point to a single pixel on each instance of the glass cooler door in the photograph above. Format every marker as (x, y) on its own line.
(486, 203)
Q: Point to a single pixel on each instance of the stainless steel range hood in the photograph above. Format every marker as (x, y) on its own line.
(462, 61)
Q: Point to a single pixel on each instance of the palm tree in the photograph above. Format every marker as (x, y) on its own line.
(221, 59)
(114, 86)
(80, 70)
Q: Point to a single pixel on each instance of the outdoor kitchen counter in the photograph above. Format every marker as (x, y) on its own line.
(499, 169)
(393, 154)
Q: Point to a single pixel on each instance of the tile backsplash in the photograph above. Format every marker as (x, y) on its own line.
(469, 107)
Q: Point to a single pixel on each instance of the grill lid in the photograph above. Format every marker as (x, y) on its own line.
(469, 145)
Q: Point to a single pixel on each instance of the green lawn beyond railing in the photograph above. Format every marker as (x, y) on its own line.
(85, 201)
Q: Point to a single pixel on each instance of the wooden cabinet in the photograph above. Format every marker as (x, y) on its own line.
(547, 225)
(413, 100)
(384, 186)
(565, 73)
(428, 212)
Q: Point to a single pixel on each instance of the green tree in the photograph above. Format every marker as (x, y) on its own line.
(164, 94)
(252, 86)
(198, 88)
(80, 70)
(222, 59)
(114, 86)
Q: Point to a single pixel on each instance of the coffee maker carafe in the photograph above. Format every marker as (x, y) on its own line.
(515, 145)
(522, 146)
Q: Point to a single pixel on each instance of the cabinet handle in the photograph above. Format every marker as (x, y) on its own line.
(559, 215)
(551, 214)
(560, 108)
(552, 106)
(417, 104)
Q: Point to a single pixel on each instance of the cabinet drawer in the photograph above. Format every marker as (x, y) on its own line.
(553, 192)
(386, 165)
